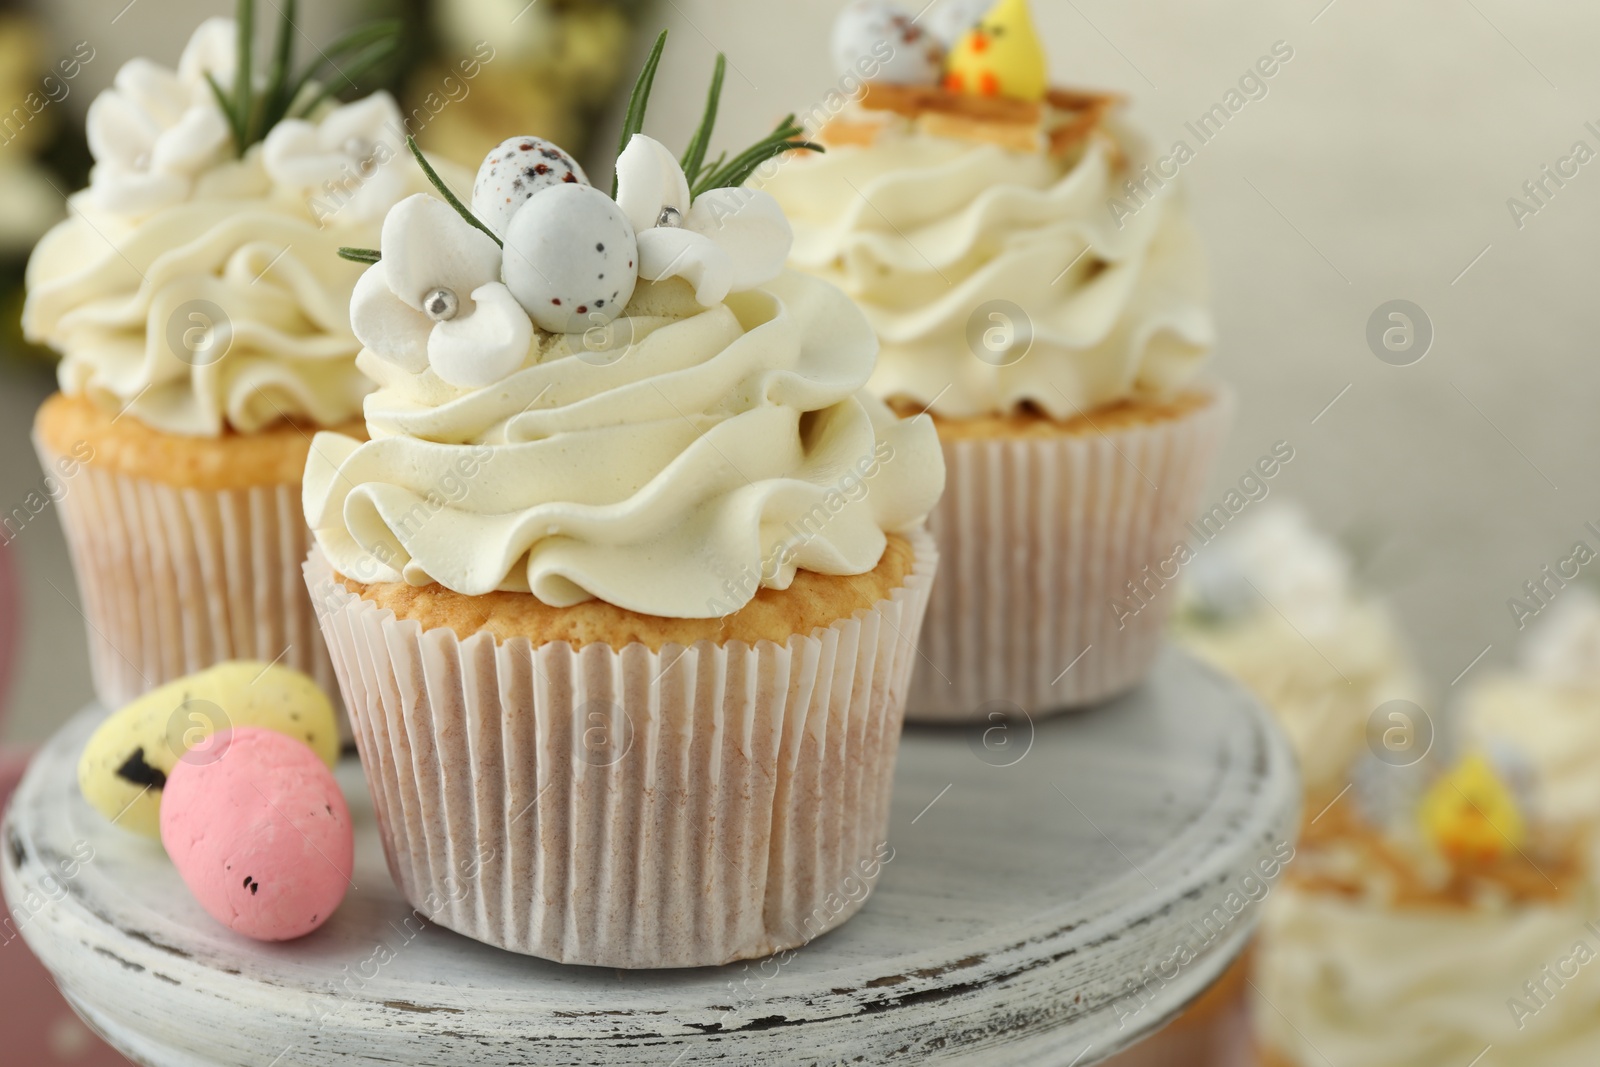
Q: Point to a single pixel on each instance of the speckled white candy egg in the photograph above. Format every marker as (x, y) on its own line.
(571, 258)
(878, 41)
(949, 20)
(516, 169)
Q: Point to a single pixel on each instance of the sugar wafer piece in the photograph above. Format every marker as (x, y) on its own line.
(1060, 126)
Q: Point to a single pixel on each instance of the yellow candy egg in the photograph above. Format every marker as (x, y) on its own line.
(1001, 56)
(125, 765)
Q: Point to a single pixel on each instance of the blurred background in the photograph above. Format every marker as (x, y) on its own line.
(1377, 167)
(1385, 161)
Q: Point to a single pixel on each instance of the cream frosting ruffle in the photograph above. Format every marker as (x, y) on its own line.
(726, 448)
(923, 230)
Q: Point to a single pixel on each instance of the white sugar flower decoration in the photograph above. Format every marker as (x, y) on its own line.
(213, 49)
(353, 155)
(155, 129)
(724, 240)
(435, 299)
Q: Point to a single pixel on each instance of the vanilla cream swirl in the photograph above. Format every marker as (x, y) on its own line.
(229, 309)
(719, 451)
(1549, 730)
(923, 231)
(197, 292)
(1352, 983)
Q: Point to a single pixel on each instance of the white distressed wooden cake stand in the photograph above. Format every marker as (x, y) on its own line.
(1034, 882)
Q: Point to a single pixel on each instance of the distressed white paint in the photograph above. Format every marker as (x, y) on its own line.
(1020, 902)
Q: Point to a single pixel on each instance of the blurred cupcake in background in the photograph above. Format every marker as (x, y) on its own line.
(201, 310)
(31, 204)
(35, 93)
(1465, 934)
(1274, 603)
(1544, 716)
(963, 204)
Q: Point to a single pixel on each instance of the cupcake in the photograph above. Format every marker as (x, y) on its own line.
(1275, 604)
(622, 592)
(982, 220)
(1465, 937)
(202, 317)
(1544, 716)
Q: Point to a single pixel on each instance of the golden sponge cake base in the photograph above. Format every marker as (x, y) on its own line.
(812, 601)
(68, 425)
(1030, 424)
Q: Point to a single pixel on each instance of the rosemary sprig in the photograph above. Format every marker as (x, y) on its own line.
(695, 154)
(282, 56)
(372, 255)
(228, 111)
(735, 172)
(721, 173)
(252, 114)
(369, 46)
(444, 191)
(633, 121)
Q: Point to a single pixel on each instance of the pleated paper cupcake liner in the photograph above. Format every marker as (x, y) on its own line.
(175, 580)
(1039, 540)
(623, 807)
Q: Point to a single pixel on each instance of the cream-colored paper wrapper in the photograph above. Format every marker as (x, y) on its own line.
(1037, 540)
(622, 807)
(175, 580)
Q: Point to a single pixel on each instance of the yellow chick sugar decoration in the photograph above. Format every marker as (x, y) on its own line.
(1000, 56)
(1470, 814)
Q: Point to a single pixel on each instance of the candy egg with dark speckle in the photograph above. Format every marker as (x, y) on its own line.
(571, 259)
(260, 833)
(880, 41)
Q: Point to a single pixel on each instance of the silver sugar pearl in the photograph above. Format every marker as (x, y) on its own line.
(670, 216)
(441, 305)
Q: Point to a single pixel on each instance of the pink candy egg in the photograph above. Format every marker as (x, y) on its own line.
(260, 833)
